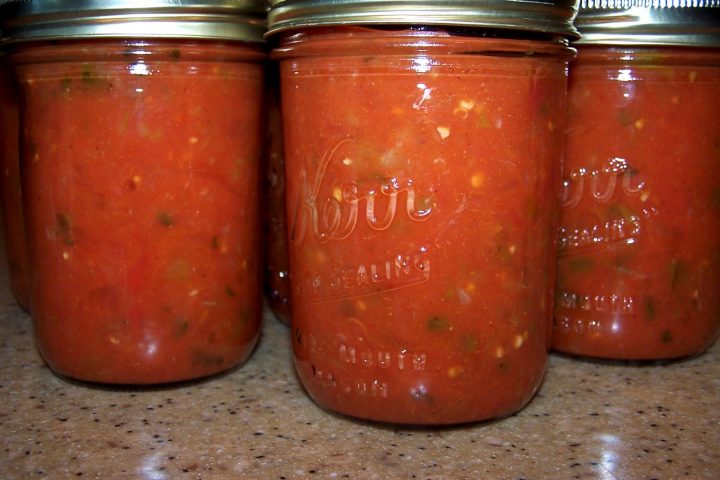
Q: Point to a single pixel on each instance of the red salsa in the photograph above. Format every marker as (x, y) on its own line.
(639, 265)
(142, 193)
(422, 178)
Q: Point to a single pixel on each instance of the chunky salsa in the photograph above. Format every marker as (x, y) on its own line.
(142, 185)
(422, 178)
(639, 266)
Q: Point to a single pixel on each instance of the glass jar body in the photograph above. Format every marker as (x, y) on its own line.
(141, 175)
(277, 268)
(639, 267)
(10, 190)
(423, 173)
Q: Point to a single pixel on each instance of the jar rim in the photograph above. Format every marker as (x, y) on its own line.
(545, 16)
(649, 22)
(25, 20)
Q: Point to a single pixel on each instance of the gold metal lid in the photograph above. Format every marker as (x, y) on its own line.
(24, 20)
(546, 16)
(649, 22)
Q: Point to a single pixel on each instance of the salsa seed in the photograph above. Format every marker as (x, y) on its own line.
(337, 194)
(444, 132)
(467, 104)
(461, 112)
(477, 180)
(463, 108)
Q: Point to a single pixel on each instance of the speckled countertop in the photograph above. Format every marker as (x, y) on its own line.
(589, 421)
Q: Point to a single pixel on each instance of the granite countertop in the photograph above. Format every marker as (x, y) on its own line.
(589, 421)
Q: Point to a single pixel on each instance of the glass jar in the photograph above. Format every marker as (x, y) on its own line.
(10, 191)
(423, 175)
(141, 179)
(277, 269)
(639, 263)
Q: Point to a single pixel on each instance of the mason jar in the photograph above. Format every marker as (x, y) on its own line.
(141, 141)
(10, 190)
(639, 257)
(423, 145)
(277, 274)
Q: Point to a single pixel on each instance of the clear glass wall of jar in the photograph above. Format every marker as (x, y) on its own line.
(423, 169)
(141, 179)
(639, 266)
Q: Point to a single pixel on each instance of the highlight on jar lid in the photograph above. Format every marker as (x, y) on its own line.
(546, 16)
(24, 20)
(649, 22)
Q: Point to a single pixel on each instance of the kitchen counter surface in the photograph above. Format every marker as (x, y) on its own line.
(588, 421)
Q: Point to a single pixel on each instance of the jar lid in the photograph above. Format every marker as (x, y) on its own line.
(546, 16)
(649, 22)
(24, 20)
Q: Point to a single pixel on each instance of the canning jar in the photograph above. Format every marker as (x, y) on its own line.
(142, 136)
(277, 274)
(423, 147)
(639, 263)
(10, 191)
